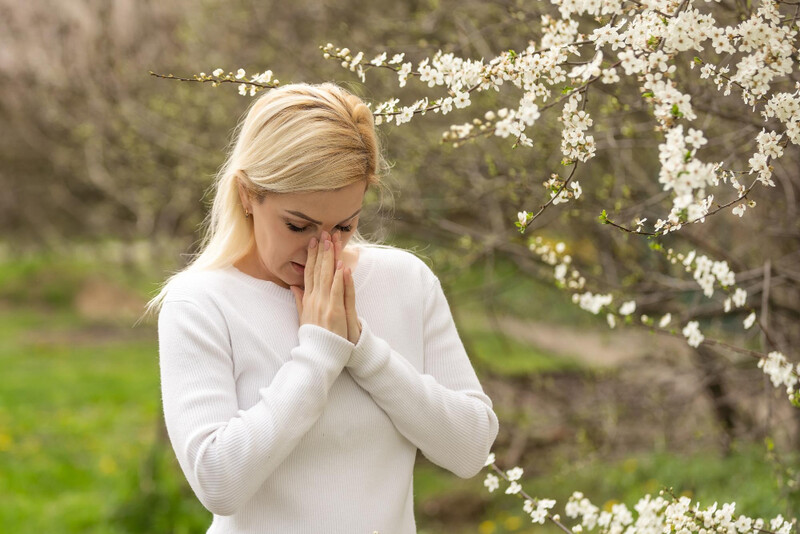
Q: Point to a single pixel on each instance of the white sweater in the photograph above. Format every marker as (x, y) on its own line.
(287, 429)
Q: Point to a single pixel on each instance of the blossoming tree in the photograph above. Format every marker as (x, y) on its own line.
(714, 86)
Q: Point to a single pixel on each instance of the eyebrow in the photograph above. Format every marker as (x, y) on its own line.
(309, 219)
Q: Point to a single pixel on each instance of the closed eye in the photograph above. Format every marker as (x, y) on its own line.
(293, 228)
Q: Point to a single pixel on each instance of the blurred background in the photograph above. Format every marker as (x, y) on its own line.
(105, 173)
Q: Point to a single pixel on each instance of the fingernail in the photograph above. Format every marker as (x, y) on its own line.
(327, 245)
(339, 264)
(312, 243)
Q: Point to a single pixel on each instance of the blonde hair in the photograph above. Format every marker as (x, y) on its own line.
(293, 139)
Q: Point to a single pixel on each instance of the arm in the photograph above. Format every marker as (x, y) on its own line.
(227, 453)
(443, 411)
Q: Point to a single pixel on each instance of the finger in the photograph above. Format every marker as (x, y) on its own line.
(337, 246)
(349, 293)
(311, 261)
(327, 271)
(337, 286)
(320, 257)
(350, 306)
(336, 304)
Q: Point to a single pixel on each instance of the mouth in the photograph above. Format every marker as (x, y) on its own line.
(298, 267)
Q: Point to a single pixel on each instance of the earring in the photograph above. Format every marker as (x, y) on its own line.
(246, 213)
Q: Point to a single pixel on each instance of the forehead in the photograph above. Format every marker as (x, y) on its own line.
(322, 205)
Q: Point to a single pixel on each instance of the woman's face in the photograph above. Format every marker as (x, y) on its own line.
(284, 224)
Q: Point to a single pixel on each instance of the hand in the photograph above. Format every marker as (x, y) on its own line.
(353, 325)
(322, 301)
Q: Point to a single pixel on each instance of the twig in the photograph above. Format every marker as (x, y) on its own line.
(523, 493)
(214, 80)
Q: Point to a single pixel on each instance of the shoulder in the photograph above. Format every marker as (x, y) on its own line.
(198, 286)
(393, 262)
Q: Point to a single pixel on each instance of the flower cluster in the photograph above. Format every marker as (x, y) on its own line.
(686, 176)
(559, 192)
(554, 254)
(591, 302)
(251, 86)
(530, 70)
(692, 334)
(579, 506)
(707, 273)
(780, 371)
(651, 515)
(786, 108)
(643, 42)
(539, 509)
(575, 144)
(353, 63)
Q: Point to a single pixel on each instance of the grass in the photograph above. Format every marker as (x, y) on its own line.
(493, 353)
(75, 416)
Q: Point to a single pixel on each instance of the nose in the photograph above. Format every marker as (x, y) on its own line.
(327, 234)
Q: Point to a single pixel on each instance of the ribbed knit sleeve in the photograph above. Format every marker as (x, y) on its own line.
(227, 453)
(443, 410)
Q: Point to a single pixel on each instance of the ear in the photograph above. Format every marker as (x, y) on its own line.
(243, 196)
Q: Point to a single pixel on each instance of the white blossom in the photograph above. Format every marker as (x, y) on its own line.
(627, 308)
(591, 302)
(739, 297)
(491, 482)
(515, 473)
(779, 370)
(513, 488)
(379, 59)
(692, 333)
(403, 73)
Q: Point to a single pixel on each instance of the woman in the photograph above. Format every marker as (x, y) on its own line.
(301, 368)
